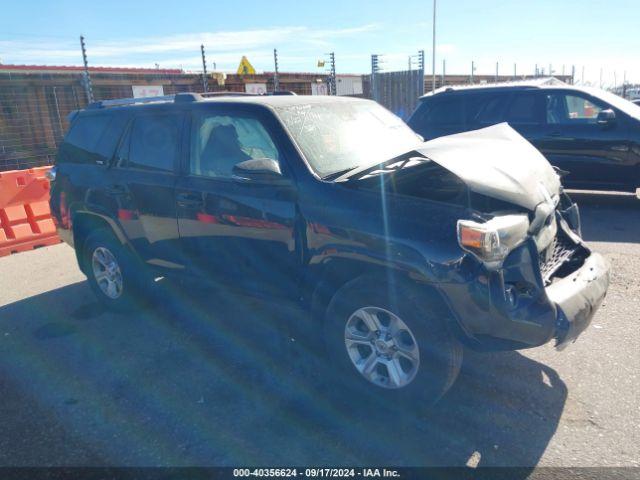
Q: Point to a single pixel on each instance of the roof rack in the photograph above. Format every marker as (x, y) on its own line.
(183, 97)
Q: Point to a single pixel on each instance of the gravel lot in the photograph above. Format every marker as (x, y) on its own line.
(183, 384)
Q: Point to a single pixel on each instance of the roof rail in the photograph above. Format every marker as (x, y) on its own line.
(182, 97)
(120, 102)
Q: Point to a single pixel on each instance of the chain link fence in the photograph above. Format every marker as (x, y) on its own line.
(34, 107)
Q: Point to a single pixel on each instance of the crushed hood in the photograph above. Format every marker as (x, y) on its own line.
(497, 162)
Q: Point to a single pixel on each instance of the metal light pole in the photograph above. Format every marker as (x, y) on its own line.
(433, 53)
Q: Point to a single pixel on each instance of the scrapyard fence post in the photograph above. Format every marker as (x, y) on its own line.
(332, 59)
(276, 80)
(205, 81)
(374, 74)
(87, 79)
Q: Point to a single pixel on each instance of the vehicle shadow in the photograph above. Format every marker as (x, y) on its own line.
(608, 217)
(210, 379)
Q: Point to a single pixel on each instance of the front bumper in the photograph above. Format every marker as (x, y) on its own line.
(577, 298)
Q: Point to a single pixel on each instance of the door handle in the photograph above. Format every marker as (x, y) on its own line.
(555, 134)
(189, 200)
(116, 190)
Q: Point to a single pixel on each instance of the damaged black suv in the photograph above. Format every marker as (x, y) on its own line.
(400, 251)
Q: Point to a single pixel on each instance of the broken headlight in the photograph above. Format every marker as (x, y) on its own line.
(492, 241)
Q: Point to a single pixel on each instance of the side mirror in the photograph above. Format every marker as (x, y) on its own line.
(259, 170)
(606, 117)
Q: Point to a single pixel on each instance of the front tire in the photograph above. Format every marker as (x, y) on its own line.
(116, 277)
(391, 343)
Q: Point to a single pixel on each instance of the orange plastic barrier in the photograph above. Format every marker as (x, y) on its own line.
(25, 218)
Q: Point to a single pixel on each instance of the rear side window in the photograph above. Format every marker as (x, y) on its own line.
(524, 108)
(154, 142)
(87, 131)
(439, 113)
(446, 112)
(486, 109)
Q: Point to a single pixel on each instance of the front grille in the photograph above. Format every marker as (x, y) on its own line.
(555, 255)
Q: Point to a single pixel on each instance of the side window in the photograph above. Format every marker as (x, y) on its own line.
(219, 142)
(87, 131)
(571, 109)
(109, 141)
(486, 109)
(524, 108)
(446, 112)
(153, 142)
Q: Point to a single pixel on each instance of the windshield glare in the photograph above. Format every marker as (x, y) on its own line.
(620, 103)
(336, 136)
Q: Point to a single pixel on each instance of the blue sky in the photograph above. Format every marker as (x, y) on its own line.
(593, 34)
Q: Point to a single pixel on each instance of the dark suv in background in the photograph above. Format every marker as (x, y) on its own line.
(591, 134)
(398, 251)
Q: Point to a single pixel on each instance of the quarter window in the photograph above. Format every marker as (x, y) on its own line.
(219, 142)
(87, 131)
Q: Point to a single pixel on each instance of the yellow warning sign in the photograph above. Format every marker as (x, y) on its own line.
(245, 68)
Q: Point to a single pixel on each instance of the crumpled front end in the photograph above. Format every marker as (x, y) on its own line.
(549, 287)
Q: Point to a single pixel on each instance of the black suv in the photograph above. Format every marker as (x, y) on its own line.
(591, 134)
(400, 251)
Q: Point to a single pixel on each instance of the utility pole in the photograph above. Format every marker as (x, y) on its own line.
(573, 74)
(496, 79)
(433, 53)
(515, 71)
(205, 81)
(473, 70)
(537, 73)
(276, 80)
(550, 70)
(332, 79)
(87, 79)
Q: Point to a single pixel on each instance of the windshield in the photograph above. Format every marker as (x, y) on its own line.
(343, 135)
(620, 103)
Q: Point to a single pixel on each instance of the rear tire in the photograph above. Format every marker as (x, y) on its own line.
(411, 342)
(117, 278)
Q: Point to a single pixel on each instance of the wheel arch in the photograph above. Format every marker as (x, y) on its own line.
(339, 272)
(84, 223)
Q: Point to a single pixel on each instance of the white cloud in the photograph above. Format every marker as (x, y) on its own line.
(179, 49)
